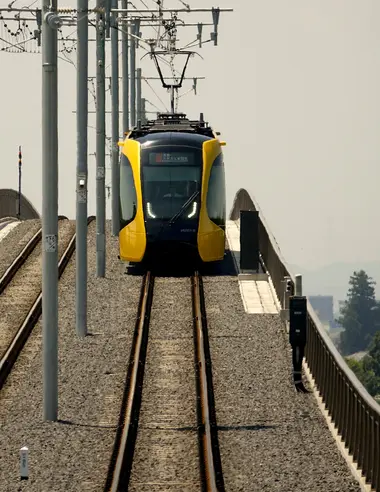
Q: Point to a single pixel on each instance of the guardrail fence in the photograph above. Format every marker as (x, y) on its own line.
(354, 412)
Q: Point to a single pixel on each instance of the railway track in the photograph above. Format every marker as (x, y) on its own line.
(4, 221)
(208, 476)
(17, 331)
(17, 263)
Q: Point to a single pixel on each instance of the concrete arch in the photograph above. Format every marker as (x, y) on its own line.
(269, 247)
(9, 205)
(242, 201)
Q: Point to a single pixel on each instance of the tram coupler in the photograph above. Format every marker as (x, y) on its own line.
(297, 337)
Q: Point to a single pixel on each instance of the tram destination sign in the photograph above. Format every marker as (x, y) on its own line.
(176, 158)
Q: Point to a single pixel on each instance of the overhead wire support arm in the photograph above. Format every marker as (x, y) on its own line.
(7, 9)
(92, 77)
(19, 19)
(166, 11)
(214, 11)
(145, 22)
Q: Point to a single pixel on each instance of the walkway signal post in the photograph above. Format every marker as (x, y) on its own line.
(19, 182)
(50, 23)
(298, 337)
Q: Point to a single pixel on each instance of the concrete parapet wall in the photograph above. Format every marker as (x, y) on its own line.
(9, 205)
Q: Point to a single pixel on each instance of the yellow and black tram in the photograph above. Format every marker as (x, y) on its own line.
(172, 191)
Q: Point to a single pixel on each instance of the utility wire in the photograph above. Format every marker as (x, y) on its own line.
(155, 93)
(184, 4)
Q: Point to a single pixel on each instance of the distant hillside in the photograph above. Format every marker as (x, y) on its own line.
(333, 279)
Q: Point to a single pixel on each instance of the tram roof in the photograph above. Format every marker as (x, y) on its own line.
(173, 138)
(172, 127)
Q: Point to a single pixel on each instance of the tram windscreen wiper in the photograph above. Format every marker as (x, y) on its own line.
(184, 207)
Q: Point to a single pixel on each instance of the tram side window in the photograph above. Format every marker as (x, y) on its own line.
(216, 196)
(128, 197)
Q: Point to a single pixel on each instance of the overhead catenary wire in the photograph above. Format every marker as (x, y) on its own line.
(155, 93)
(165, 37)
(184, 4)
(168, 36)
(195, 43)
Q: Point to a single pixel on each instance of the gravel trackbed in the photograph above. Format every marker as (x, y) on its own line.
(12, 245)
(26, 285)
(166, 456)
(271, 437)
(72, 454)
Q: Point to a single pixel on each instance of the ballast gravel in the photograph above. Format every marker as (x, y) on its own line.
(166, 454)
(72, 454)
(25, 287)
(271, 437)
(14, 242)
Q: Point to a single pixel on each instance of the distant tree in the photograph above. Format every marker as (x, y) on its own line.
(359, 315)
(367, 369)
(357, 367)
(373, 357)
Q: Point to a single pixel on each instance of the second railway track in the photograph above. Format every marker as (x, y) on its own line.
(167, 437)
(21, 295)
(21, 258)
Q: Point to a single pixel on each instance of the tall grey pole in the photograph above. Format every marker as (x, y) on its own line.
(82, 173)
(143, 111)
(50, 23)
(125, 70)
(133, 76)
(125, 85)
(100, 144)
(115, 181)
(138, 95)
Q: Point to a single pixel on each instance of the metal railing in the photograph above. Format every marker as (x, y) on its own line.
(354, 412)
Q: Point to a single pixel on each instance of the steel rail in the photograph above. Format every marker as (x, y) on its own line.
(210, 461)
(11, 354)
(22, 257)
(121, 461)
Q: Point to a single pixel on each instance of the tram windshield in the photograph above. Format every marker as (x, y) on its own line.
(171, 180)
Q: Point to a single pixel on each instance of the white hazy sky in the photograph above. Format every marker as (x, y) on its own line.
(294, 88)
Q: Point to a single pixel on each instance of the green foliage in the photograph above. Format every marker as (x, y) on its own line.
(372, 360)
(360, 316)
(367, 370)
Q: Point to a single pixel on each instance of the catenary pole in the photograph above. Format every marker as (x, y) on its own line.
(125, 86)
(125, 71)
(133, 74)
(115, 183)
(50, 23)
(100, 144)
(138, 95)
(82, 172)
(143, 110)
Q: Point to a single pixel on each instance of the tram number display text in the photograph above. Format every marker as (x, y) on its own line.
(171, 158)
